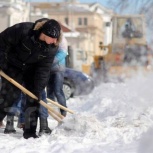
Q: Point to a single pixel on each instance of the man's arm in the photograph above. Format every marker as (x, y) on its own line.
(42, 74)
(59, 57)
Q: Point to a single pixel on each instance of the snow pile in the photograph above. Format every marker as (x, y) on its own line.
(114, 118)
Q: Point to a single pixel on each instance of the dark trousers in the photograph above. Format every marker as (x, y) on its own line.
(43, 112)
(10, 94)
(55, 88)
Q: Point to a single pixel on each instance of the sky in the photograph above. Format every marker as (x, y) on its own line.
(117, 117)
(103, 2)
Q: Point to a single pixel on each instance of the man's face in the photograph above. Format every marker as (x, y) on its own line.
(50, 40)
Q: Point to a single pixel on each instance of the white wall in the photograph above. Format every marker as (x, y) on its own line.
(12, 12)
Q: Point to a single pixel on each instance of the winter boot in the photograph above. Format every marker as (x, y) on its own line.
(30, 126)
(29, 132)
(44, 129)
(9, 125)
(28, 135)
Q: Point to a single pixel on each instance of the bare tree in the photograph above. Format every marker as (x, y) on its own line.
(136, 7)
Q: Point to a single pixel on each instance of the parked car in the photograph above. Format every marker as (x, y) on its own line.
(76, 83)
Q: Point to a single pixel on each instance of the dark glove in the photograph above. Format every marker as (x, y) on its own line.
(33, 100)
(63, 112)
(38, 95)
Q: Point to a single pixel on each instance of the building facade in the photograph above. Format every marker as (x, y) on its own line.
(13, 11)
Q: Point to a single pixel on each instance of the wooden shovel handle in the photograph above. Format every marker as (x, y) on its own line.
(54, 116)
(51, 109)
(60, 106)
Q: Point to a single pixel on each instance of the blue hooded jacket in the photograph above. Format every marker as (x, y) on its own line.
(60, 57)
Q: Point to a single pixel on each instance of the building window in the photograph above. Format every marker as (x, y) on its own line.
(82, 21)
(67, 21)
(85, 21)
(79, 21)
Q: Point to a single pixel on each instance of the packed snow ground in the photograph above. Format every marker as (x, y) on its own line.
(114, 118)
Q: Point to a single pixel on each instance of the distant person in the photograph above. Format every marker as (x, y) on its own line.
(128, 32)
(131, 31)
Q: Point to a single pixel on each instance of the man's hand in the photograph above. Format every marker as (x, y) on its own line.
(38, 95)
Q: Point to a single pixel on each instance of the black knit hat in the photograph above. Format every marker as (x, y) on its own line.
(52, 28)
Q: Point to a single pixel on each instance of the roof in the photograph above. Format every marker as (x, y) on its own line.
(65, 28)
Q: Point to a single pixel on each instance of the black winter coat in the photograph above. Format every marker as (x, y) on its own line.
(20, 47)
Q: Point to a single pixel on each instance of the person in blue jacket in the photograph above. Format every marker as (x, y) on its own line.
(55, 84)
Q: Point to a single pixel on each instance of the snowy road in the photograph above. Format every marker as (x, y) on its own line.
(114, 118)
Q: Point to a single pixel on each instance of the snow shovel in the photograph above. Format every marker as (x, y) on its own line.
(56, 115)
